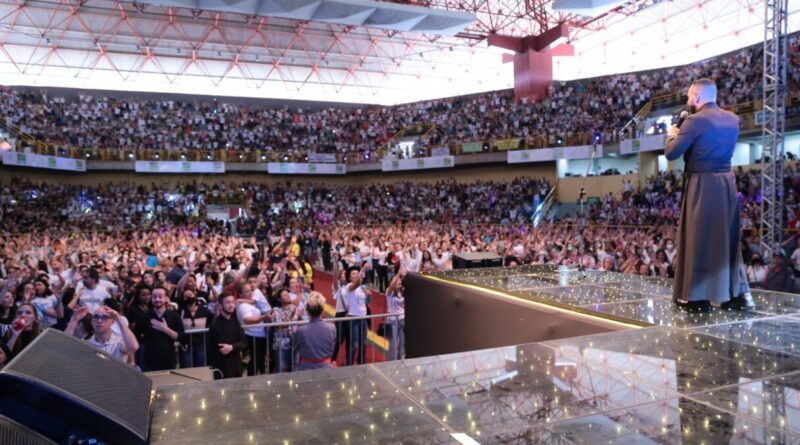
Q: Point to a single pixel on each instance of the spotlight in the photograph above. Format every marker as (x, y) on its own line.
(263, 157)
(88, 155)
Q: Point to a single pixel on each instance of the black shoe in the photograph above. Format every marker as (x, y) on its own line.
(694, 307)
(742, 303)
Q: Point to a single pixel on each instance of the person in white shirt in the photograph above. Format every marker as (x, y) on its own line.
(342, 327)
(396, 306)
(49, 306)
(411, 260)
(382, 269)
(354, 297)
(90, 294)
(121, 347)
(249, 314)
(756, 272)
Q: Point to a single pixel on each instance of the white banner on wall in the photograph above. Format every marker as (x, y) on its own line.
(440, 151)
(329, 158)
(41, 161)
(536, 155)
(179, 167)
(649, 143)
(389, 165)
(578, 152)
(291, 168)
(552, 154)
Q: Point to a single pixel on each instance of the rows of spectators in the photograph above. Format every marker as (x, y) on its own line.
(134, 268)
(96, 121)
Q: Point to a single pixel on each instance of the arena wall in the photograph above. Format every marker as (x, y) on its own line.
(496, 172)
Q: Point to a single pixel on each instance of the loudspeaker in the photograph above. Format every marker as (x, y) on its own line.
(476, 260)
(12, 433)
(68, 391)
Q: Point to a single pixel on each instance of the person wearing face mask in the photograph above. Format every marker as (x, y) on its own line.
(669, 249)
(709, 265)
(756, 272)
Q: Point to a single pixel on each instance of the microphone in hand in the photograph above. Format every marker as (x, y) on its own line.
(682, 117)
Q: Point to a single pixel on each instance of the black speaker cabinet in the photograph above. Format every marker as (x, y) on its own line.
(12, 433)
(476, 260)
(67, 391)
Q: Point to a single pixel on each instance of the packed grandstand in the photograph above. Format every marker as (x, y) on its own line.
(574, 113)
(120, 244)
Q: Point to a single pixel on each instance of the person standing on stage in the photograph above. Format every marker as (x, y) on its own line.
(709, 266)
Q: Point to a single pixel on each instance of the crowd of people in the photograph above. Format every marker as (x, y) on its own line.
(139, 270)
(589, 106)
(146, 274)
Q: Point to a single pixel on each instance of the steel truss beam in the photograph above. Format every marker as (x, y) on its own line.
(773, 126)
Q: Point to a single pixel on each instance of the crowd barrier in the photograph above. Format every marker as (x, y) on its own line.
(359, 342)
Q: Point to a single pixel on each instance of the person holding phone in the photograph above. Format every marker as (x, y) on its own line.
(355, 304)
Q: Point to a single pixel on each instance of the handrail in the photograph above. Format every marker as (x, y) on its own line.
(638, 117)
(301, 322)
(538, 215)
(384, 148)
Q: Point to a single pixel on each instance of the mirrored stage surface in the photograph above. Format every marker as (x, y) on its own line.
(719, 378)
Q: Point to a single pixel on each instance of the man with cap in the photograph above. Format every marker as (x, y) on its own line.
(780, 277)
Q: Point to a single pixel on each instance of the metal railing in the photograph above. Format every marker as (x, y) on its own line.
(275, 351)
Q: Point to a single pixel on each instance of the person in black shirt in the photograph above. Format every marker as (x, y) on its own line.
(158, 330)
(24, 330)
(194, 316)
(177, 272)
(7, 313)
(226, 340)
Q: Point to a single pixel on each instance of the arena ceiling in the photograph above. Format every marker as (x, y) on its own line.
(353, 53)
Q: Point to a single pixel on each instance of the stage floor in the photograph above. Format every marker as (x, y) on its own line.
(724, 377)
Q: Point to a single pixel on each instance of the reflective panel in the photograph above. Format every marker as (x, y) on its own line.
(774, 333)
(661, 311)
(775, 402)
(347, 405)
(698, 361)
(504, 392)
(639, 299)
(587, 295)
(674, 421)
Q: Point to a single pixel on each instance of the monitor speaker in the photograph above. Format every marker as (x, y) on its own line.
(476, 260)
(70, 392)
(13, 433)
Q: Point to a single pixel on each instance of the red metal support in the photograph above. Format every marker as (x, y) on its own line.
(533, 59)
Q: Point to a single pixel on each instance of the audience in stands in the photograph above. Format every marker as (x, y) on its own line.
(67, 251)
(572, 114)
(70, 255)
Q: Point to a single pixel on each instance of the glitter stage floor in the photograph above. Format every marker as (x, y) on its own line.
(720, 378)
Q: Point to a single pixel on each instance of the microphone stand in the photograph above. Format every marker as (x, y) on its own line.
(582, 201)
